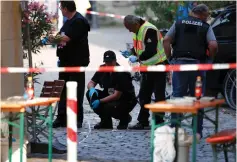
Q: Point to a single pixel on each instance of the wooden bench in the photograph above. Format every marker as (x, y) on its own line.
(223, 141)
(12, 107)
(37, 115)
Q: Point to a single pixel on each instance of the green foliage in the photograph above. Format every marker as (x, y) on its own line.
(165, 11)
(159, 8)
(40, 25)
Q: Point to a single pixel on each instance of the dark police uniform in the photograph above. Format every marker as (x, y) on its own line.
(120, 108)
(190, 43)
(73, 53)
(190, 39)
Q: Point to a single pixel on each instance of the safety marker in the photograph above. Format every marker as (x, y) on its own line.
(71, 121)
(190, 67)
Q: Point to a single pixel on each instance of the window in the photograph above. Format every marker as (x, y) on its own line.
(225, 25)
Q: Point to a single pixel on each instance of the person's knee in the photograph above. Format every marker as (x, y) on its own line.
(129, 108)
(144, 99)
(179, 92)
(160, 96)
(134, 103)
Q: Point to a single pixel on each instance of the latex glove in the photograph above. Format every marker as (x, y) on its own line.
(132, 59)
(44, 40)
(126, 53)
(95, 104)
(92, 91)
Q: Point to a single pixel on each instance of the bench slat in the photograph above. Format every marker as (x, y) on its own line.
(223, 136)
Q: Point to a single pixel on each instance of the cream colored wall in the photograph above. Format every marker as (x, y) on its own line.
(11, 48)
(11, 52)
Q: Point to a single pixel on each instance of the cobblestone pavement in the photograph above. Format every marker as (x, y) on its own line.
(115, 145)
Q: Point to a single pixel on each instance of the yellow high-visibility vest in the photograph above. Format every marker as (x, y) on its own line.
(139, 46)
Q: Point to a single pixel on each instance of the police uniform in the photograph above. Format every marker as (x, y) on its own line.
(118, 109)
(190, 43)
(73, 53)
(148, 47)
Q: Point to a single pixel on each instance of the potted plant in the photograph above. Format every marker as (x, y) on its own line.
(36, 24)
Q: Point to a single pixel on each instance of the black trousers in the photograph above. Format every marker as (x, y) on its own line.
(151, 82)
(114, 109)
(80, 79)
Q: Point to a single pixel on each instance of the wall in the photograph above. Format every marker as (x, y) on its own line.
(11, 50)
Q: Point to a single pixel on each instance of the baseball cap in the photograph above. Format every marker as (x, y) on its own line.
(109, 56)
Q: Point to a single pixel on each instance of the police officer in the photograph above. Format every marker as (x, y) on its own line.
(190, 38)
(116, 99)
(72, 50)
(148, 47)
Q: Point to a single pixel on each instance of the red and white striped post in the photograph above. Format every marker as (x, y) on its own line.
(71, 121)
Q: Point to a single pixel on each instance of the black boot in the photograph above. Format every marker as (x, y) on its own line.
(140, 126)
(79, 125)
(101, 125)
(60, 122)
(123, 124)
(104, 124)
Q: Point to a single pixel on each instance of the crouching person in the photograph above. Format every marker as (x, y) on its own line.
(116, 100)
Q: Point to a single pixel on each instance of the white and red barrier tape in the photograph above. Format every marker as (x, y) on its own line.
(112, 15)
(71, 121)
(190, 67)
(105, 14)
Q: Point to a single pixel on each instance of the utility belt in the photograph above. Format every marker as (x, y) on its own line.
(188, 59)
(189, 56)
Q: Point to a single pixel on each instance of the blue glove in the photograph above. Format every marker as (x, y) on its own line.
(95, 104)
(125, 54)
(92, 91)
(44, 41)
(132, 59)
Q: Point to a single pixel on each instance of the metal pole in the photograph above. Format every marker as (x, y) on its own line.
(71, 121)
(10, 138)
(50, 133)
(94, 17)
(21, 135)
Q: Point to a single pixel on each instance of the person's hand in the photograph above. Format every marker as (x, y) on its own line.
(132, 59)
(125, 53)
(92, 91)
(50, 38)
(95, 104)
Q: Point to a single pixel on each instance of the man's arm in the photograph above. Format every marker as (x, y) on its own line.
(94, 80)
(150, 42)
(121, 86)
(167, 46)
(91, 84)
(78, 30)
(169, 37)
(64, 38)
(113, 97)
(133, 51)
(212, 43)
